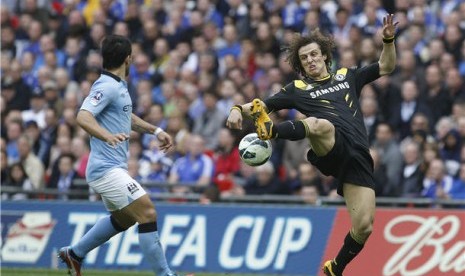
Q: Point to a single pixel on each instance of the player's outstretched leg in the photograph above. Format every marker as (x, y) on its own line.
(263, 123)
(105, 228)
(360, 203)
(73, 263)
(149, 242)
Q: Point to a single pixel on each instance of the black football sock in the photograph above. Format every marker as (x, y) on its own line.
(289, 130)
(348, 252)
(76, 257)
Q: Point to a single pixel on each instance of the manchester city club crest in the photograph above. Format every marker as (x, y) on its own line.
(339, 77)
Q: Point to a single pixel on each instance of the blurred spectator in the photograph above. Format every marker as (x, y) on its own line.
(391, 156)
(436, 95)
(341, 29)
(368, 52)
(450, 151)
(31, 163)
(31, 130)
(34, 32)
(458, 109)
(210, 195)
(47, 44)
(14, 89)
(65, 182)
(310, 195)
(437, 182)
(48, 136)
(3, 164)
(17, 178)
(388, 95)
(74, 58)
(80, 150)
(195, 168)
(461, 128)
(154, 116)
(307, 175)
(293, 14)
(14, 130)
(379, 175)
(458, 187)
(37, 111)
(408, 69)
(256, 14)
(265, 42)
(226, 159)
(420, 130)
(294, 153)
(140, 69)
(462, 58)
(412, 171)
(210, 122)
(403, 112)
(227, 89)
(157, 173)
(455, 84)
(264, 181)
(443, 126)
(369, 108)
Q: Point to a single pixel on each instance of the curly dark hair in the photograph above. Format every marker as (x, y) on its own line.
(326, 43)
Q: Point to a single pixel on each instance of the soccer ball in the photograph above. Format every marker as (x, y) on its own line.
(253, 151)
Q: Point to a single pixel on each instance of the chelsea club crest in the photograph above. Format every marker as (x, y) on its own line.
(339, 77)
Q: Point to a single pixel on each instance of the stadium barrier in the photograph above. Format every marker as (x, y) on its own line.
(243, 238)
(166, 195)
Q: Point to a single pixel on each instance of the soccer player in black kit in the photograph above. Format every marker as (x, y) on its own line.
(334, 126)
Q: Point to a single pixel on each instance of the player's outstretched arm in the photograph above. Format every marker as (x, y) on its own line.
(141, 126)
(387, 59)
(235, 115)
(87, 121)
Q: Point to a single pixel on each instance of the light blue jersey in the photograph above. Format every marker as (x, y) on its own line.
(111, 105)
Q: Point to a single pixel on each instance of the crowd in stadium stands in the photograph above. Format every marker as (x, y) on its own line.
(193, 60)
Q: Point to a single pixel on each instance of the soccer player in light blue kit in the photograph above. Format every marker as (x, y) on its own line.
(106, 115)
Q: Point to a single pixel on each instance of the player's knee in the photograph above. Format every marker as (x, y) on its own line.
(319, 127)
(148, 215)
(364, 227)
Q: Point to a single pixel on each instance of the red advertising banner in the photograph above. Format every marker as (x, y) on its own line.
(406, 242)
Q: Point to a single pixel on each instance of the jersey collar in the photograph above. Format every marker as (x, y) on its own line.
(310, 80)
(104, 72)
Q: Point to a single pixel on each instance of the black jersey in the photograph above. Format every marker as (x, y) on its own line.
(334, 99)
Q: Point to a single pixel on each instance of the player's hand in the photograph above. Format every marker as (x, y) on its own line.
(234, 119)
(389, 27)
(166, 142)
(114, 139)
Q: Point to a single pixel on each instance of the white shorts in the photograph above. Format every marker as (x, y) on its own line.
(117, 189)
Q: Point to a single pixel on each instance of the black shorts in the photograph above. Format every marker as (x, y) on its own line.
(347, 162)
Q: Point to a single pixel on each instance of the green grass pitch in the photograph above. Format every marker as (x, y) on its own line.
(62, 272)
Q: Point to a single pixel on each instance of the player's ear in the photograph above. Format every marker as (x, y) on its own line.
(324, 57)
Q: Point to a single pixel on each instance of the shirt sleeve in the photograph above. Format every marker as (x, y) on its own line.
(100, 96)
(281, 100)
(366, 75)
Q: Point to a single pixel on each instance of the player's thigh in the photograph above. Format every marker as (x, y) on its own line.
(321, 134)
(141, 210)
(361, 203)
(124, 197)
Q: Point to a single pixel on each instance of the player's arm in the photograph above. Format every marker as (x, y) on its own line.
(141, 126)
(87, 121)
(235, 114)
(387, 59)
